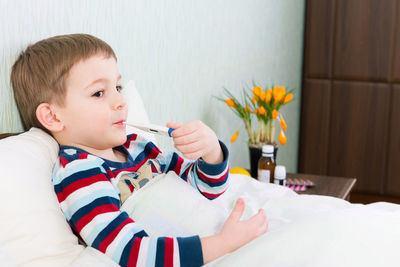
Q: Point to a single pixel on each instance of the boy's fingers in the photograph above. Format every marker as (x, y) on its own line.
(185, 129)
(260, 218)
(263, 222)
(189, 148)
(237, 210)
(187, 139)
(174, 125)
(193, 155)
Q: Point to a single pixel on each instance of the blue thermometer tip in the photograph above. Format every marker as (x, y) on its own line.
(170, 130)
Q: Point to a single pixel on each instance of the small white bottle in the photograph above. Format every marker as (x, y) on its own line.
(280, 175)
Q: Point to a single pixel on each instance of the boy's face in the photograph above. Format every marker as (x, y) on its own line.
(94, 109)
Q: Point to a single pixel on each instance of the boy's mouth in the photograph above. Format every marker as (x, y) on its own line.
(121, 122)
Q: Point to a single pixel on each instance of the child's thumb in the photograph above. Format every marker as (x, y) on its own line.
(237, 211)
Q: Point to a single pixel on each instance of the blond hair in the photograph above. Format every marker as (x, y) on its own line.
(39, 74)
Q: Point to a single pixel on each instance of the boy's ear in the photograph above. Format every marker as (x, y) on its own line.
(46, 115)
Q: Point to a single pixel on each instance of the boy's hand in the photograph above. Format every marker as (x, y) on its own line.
(196, 140)
(235, 233)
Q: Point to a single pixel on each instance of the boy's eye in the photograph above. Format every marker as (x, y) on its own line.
(98, 93)
(119, 88)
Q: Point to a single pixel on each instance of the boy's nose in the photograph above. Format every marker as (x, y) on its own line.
(119, 101)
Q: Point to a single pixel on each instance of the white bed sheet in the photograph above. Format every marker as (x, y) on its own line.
(304, 230)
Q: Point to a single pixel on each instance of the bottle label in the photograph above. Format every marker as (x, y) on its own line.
(264, 175)
(280, 182)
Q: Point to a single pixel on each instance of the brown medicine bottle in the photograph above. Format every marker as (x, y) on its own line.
(266, 165)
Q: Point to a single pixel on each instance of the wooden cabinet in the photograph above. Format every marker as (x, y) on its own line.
(315, 126)
(363, 39)
(319, 38)
(392, 185)
(350, 120)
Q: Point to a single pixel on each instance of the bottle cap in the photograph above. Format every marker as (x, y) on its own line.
(280, 172)
(268, 149)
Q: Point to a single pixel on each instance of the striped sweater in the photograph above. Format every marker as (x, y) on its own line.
(86, 188)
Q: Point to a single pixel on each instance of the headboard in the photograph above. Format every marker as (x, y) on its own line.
(4, 135)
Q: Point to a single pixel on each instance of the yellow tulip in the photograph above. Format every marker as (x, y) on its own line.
(274, 114)
(278, 92)
(253, 99)
(256, 111)
(247, 109)
(282, 90)
(257, 90)
(275, 91)
(262, 96)
(268, 96)
(283, 124)
(262, 111)
(282, 138)
(234, 136)
(230, 103)
(288, 98)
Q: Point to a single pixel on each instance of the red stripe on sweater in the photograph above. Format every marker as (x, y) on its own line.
(134, 252)
(110, 174)
(131, 187)
(169, 252)
(80, 184)
(110, 237)
(128, 142)
(178, 166)
(152, 155)
(83, 156)
(213, 180)
(64, 162)
(96, 211)
(188, 169)
(154, 169)
(154, 152)
(210, 196)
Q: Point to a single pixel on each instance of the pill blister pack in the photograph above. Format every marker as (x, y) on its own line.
(299, 185)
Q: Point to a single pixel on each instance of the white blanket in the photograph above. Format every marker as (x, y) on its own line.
(304, 230)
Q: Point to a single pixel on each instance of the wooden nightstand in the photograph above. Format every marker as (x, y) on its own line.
(339, 187)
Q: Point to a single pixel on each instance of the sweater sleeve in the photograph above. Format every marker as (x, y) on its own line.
(90, 203)
(210, 179)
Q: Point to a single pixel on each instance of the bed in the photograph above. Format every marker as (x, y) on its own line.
(304, 230)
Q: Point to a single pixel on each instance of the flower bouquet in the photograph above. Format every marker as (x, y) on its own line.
(259, 112)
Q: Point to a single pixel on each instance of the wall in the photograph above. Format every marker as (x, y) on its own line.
(180, 53)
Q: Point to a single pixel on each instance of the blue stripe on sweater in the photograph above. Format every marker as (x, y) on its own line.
(95, 194)
(126, 253)
(151, 252)
(190, 251)
(173, 161)
(144, 154)
(92, 205)
(118, 252)
(76, 176)
(160, 252)
(109, 229)
(217, 187)
(215, 169)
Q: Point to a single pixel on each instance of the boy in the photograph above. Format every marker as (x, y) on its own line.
(69, 86)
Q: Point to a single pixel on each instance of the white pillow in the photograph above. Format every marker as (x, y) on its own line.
(33, 229)
(136, 112)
